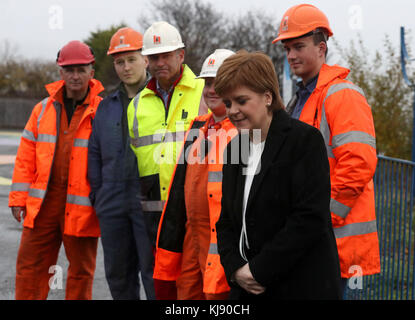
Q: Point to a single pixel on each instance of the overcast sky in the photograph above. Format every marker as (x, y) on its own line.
(37, 29)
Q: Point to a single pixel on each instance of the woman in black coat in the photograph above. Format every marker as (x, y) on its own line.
(275, 237)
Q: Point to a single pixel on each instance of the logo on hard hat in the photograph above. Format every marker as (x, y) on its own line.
(122, 44)
(285, 24)
(156, 39)
(211, 62)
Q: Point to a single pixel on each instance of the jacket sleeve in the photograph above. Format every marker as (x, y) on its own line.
(308, 220)
(25, 164)
(94, 156)
(353, 145)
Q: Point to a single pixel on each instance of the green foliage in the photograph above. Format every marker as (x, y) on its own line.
(99, 41)
(21, 77)
(381, 79)
(26, 78)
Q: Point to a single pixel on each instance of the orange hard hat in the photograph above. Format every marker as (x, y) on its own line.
(75, 52)
(125, 39)
(300, 20)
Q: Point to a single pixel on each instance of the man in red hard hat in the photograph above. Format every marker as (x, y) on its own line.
(326, 100)
(114, 179)
(49, 187)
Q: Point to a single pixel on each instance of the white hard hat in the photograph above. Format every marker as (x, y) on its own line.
(213, 62)
(161, 37)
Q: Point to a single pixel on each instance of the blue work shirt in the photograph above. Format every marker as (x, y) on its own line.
(164, 94)
(303, 93)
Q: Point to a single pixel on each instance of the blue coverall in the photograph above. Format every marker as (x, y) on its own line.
(113, 175)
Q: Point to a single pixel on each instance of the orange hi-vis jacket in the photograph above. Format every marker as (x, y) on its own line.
(339, 109)
(172, 229)
(35, 157)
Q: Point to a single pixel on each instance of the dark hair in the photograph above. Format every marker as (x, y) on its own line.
(318, 37)
(253, 70)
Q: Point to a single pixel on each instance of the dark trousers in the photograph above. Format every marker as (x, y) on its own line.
(343, 283)
(127, 251)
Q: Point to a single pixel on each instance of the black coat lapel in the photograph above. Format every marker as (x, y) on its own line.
(239, 192)
(236, 181)
(278, 130)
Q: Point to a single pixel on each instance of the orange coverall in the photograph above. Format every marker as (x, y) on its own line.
(39, 247)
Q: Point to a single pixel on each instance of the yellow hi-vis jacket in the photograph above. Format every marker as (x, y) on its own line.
(157, 134)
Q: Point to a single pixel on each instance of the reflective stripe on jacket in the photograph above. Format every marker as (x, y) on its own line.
(156, 135)
(340, 110)
(172, 224)
(35, 157)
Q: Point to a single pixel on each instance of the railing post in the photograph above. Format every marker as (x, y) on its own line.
(404, 59)
(413, 143)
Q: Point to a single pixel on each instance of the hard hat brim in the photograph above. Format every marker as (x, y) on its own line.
(206, 75)
(293, 35)
(75, 63)
(290, 35)
(111, 52)
(164, 49)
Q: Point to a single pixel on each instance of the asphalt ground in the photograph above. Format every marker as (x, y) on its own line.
(10, 233)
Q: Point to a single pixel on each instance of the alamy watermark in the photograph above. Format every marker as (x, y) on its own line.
(202, 152)
(356, 17)
(55, 17)
(356, 280)
(56, 281)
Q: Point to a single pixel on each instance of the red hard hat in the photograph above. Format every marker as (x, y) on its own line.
(125, 39)
(75, 52)
(300, 20)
